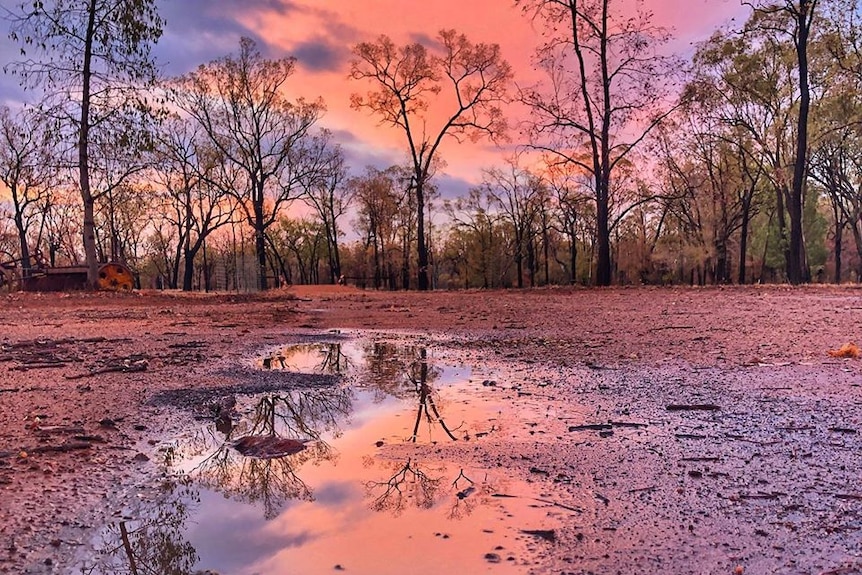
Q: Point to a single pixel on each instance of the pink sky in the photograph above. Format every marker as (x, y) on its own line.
(320, 34)
(341, 23)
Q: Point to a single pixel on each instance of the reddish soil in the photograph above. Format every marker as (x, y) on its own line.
(695, 430)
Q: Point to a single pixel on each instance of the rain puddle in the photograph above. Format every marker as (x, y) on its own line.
(336, 476)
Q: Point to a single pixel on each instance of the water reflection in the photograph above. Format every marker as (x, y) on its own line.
(405, 372)
(153, 543)
(324, 358)
(311, 417)
(423, 485)
(325, 442)
(316, 418)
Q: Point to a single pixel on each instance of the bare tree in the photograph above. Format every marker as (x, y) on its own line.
(92, 59)
(605, 92)
(25, 169)
(330, 198)
(516, 192)
(195, 185)
(119, 156)
(570, 196)
(404, 82)
(240, 103)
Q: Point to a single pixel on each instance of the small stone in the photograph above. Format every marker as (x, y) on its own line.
(108, 422)
(339, 567)
(141, 457)
(492, 558)
(140, 427)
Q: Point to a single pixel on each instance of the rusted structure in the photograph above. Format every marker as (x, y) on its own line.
(113, 276)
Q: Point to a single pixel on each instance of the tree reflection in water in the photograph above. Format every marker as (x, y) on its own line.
(411, 482)
(314, 416)
(324, 358)
(422, 485)
(406, 373)
(271, 481)
(153, 544)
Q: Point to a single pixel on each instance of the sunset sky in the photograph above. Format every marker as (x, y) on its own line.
(319, 33)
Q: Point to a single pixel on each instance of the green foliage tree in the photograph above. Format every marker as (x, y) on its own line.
(793, 20)
(92, 60)
(474, 245)
(382, 205)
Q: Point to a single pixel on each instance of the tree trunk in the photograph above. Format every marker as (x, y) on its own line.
(857, 239)
(519, 263)
(188, 271)
(23, 245)
(546, 252)
(127, 547)
(839, 233)
(207, 279)
(89, 224)
(260, 250)
(378, 265)
(743, 242)
(603, 241)
(573, 261)
(722, 263)
(798, 271)
(573, 250)
(783, 242)
(422, 278)
(405, 263)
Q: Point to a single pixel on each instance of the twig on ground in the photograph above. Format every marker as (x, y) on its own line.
(693, 407)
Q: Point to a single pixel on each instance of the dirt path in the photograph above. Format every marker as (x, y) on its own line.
(695, 430)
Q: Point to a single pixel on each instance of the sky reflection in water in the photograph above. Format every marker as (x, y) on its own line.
(343, 501)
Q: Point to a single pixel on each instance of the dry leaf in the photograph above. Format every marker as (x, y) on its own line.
(847, 350)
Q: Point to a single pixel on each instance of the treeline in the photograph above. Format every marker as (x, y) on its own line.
(741, 164)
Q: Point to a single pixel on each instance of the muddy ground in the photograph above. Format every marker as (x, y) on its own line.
(686, 430)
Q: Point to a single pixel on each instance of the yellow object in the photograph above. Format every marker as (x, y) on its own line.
(846, 350)
(116, 277)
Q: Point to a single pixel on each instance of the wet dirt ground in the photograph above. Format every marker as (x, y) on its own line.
(683, 430)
